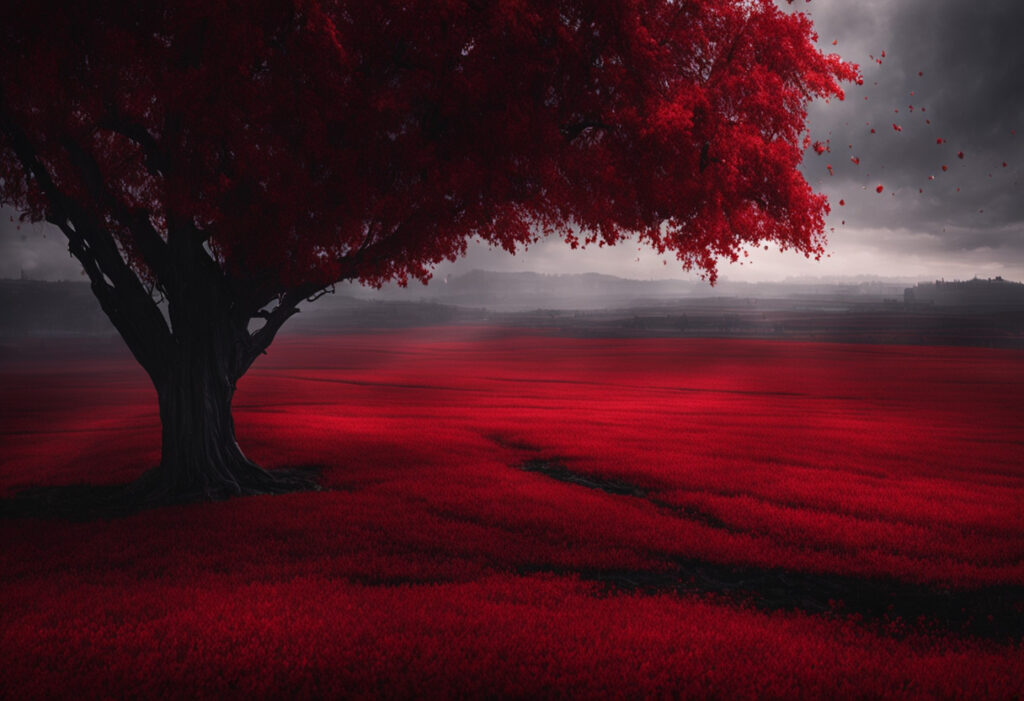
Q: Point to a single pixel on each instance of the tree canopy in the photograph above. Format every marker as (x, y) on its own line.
(306, 142)
(235, 157)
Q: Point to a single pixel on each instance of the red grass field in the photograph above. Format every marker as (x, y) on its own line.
(506, 514)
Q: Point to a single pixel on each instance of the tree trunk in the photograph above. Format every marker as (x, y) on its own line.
(199, 454)
(200, 458)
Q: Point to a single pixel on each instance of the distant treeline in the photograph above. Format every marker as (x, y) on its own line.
(994, 292)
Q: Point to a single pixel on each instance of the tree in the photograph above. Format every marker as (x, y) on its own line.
(233, 158)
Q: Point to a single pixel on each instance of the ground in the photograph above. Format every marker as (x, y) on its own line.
(516, 513)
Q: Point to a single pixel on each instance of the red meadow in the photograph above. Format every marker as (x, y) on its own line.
(511, 513)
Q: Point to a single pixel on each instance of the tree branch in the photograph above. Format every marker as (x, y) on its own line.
(125, 302)
(150, 244)
(260, 340)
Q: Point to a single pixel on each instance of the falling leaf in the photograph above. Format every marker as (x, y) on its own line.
(960, 155)
(879, 189)
(897, 127)
(855, 160)
(945, 168)
(842, 203)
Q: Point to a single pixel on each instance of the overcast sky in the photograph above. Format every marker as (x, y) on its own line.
(959, 64)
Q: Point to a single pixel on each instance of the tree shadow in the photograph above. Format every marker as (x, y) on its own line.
(96, 502)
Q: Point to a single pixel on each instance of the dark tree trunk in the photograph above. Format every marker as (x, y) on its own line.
(209, 350)
(200, 458)
(199, 453)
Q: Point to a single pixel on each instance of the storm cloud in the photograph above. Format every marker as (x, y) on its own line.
(952, 71)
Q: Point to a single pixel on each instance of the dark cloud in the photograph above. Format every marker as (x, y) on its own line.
(960, 66)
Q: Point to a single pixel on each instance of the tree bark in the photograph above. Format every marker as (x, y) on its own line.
(209, 351)
(199, 454)
(200, 458)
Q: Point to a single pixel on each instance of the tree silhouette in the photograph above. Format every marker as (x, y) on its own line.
(235, 158)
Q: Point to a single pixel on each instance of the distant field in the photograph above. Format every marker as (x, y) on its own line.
(514, 513)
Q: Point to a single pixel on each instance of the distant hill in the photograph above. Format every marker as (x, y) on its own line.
(994, 292)
(973, 312)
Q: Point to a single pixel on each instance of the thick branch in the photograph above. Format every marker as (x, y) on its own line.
(126, 302)
(288, 301)
(260, 340)
(150, 245)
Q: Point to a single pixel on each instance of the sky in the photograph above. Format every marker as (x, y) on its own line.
(959, 65)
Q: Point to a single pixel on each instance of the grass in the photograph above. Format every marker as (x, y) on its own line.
(510, 513)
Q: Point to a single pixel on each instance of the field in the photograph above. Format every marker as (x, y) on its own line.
(514, 513)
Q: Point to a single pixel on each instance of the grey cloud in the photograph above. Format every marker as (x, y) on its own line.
(972, 88)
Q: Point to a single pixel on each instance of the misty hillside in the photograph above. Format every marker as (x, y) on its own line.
(522, 291)
(974, 312)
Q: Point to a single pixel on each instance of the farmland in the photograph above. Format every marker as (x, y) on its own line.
(516, 512)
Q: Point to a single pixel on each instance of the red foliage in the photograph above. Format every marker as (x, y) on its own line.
(402, 579)
(291, 135)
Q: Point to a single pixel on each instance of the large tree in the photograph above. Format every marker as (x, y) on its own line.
(214, 163)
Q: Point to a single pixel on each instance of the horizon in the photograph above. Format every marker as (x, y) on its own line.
(862, 278)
